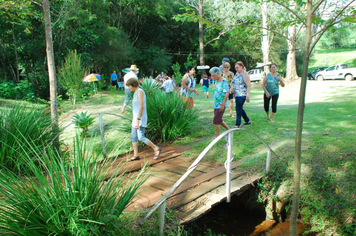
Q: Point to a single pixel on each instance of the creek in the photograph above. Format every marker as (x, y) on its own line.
(243, 216)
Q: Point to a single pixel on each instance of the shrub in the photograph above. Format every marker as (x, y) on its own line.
(71, 76)
(18, 123)
(149, 86)
(78, 198)
(83, 121)
(168, 116)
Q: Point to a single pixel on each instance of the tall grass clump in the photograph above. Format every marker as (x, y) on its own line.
(149, 86)
(17, 124)
(61, 198)
(168, 116)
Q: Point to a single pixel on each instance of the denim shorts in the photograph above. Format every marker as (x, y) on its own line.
(138, 135)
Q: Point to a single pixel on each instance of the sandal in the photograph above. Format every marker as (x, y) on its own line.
(134, 158)
(155, 157)
(267, 119)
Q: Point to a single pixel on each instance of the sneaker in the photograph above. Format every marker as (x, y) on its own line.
(247, 123)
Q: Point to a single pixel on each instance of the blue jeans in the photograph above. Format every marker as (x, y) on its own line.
(138, 135)
(127, 96)
(240, 111)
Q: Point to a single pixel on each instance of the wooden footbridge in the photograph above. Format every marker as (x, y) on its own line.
(190, 187)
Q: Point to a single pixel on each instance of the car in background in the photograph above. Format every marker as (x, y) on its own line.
(256, 75)
(339, 71)
(312, 75)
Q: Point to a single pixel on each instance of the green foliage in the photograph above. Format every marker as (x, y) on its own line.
(168, 116)
(176, 73)
(78, 198)
(149, 86)
(22, 90)
(71, 76)
(7, 90)
(19, 123)
(190, 62)
(113, 92)
(83, 121)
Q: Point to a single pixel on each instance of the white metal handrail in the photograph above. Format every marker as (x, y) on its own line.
(162, 202)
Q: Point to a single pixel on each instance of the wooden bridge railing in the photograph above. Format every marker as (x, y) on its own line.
(162, 202)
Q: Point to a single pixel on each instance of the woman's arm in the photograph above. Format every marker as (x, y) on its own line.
(248, 83)
(264, 86)
(281, 81)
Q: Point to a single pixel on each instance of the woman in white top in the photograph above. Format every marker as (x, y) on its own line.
(139, 120)
(188, 87)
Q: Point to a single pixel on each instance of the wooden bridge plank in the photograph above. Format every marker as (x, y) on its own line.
(211, 174)
(187, 196)
(146, 155)
(176, 169)
(202, 167)
(203, 204)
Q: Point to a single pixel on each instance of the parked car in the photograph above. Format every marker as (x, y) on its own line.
(340, 71)
(256, 75)
(311, 75)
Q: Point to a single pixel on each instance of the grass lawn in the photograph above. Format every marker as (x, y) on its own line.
(328, 145)
(329, 57)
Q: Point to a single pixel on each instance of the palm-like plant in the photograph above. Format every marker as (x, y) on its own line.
(149, 86)
(83, 121)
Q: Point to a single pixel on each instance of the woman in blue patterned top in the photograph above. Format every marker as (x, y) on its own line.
(270, 85)
(220, 95)
(241, 84)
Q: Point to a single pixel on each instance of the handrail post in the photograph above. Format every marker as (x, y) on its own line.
(102, 133)
(268, 162)
(228, 167)
(162, 212)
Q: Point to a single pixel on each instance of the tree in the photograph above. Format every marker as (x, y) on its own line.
(71, 74)
(51, 68)
(307, 18)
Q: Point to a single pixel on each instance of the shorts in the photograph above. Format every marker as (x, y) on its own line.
(218, 116)
(205, 89)
(114, 83)
(188, 101)
(231, 96)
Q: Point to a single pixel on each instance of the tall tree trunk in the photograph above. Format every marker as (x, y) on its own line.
(51, 69)
(298, 136)
(265, 37)
(291, 58)
(201, 34)
(17, 77)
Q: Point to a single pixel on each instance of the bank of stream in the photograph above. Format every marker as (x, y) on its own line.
(243, 216)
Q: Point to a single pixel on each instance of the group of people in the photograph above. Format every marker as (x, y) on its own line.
(226, 87)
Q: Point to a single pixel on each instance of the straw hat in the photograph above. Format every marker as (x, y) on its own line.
(133, 67)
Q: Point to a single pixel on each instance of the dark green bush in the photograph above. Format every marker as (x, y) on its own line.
(168, 116)
(19, 123)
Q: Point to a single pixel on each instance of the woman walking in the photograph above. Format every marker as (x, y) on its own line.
(188, 87)
(270, 85)
(228, 75)
(139, 120)
(205, 85)
(241, 85)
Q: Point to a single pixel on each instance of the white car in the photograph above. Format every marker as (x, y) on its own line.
(340, 71)
(256, 75)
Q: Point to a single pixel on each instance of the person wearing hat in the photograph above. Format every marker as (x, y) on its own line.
(221, 67)
(130, 75)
